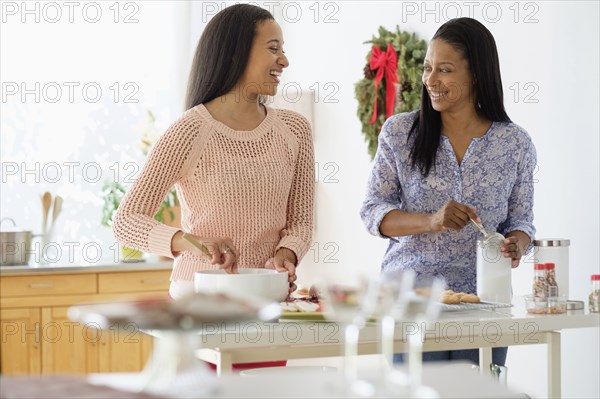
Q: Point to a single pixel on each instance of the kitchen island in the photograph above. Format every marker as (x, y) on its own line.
(224, 345)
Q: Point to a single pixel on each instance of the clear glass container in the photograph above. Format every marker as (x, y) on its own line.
(549, 305)
(551, 282)
(594, 300)
(555, 250)
(493, 271)
(539, 288)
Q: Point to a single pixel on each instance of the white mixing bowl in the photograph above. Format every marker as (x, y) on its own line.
(262, 283)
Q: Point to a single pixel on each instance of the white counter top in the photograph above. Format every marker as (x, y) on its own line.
(103, 265)
(473, 326)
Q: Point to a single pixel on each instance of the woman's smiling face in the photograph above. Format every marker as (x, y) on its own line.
(447, 77)
(266, 61)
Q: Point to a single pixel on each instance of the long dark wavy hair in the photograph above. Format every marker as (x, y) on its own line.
(223, 51)
(478, 47)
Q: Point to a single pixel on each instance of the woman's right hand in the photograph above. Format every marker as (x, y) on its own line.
(221, 249)
(453, 215)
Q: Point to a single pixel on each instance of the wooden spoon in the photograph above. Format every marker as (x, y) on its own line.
(205, 251)
(57, 208)
(46, 204)
(197, 244)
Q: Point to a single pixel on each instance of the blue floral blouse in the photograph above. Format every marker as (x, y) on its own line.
(495, 177)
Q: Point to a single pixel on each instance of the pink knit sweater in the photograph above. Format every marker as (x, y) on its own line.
(255, 187)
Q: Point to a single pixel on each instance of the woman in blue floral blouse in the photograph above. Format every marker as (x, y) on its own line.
(458, 157)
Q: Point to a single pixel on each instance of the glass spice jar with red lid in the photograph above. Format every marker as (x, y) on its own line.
(594, 299)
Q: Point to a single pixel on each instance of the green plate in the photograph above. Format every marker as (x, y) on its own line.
(310, 316)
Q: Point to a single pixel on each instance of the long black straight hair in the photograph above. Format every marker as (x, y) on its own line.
(478, 47)
(223, 52)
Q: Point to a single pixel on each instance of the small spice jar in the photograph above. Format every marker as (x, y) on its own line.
(540, 288)
(594, 302)
(552, 285)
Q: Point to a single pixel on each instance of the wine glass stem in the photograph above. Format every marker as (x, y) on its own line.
(351, 332)
(415, 359)
(387, 342)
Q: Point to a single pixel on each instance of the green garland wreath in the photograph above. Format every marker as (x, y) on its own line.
(411, 54)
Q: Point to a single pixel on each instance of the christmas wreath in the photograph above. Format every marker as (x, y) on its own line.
(392, 81)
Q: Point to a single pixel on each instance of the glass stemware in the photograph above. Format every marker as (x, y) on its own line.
(344, 303)
(395, 289)
(417, 306)
(174, 370)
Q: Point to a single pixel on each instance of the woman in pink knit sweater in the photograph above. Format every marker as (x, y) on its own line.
(244, 172)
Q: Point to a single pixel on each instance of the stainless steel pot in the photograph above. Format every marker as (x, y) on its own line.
(15, 245)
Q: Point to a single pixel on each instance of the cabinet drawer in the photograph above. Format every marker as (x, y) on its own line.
(155, 280)
(63, 284)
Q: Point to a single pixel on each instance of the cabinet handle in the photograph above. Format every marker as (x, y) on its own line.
(41, 285)
(153, 281)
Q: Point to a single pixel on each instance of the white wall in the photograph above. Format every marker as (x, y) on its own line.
(70, 142)
(557, 56)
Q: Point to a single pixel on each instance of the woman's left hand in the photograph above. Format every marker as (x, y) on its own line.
(282, 264)
(511, 249)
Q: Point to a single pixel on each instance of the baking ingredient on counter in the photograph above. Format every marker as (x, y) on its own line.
(300, 305)
(551, 277)
(594, 299)
(539, 288)
(450, 297)
(544, 280)
(302, 300)
(546, 305)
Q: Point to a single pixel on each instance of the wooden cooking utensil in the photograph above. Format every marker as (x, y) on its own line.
(56, 209)
(205, 251)
(46, 204)
(197, 244)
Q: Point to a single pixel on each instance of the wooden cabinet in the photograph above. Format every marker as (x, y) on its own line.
(124, 350)
(67, 346)
(133, 282)
(20, 344)
(16, 286)
(37, 335)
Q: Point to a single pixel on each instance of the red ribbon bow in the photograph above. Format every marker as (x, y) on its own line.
(384, 62)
